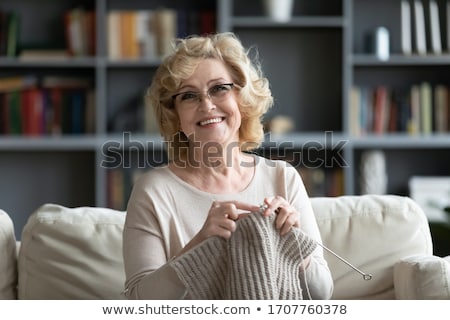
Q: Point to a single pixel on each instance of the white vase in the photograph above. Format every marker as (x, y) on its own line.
(373, 175)
(279, 10)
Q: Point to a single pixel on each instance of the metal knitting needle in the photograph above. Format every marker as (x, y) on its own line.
(366, 276)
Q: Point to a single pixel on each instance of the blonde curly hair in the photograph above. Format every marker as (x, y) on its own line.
(254, 98)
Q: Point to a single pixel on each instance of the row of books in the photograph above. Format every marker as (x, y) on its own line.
(425, 26)
(149, 34)
(46, 108)
(79, 28)
(421, 109)
(322, 182)
(119, 185)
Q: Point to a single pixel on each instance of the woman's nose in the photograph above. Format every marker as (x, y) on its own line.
(206, 104)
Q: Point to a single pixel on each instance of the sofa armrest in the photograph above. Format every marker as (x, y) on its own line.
(422, 277)
(8, 258)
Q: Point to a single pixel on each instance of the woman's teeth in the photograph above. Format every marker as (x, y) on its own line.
(209, 121)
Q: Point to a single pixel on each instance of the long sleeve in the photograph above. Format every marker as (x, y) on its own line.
(148, 245)
(316, 279)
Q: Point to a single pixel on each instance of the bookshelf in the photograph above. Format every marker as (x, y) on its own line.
(313, 61)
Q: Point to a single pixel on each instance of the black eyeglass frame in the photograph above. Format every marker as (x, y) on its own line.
(231, 84)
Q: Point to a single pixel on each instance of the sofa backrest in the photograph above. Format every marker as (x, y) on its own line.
(373, 233)
(72, 253)
(8, 264)
(76, 253)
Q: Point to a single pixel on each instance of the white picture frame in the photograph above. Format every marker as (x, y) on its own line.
(432, 193)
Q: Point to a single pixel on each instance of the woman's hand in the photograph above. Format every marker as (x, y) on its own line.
(221, 221)
(287, 216)
(222, 216)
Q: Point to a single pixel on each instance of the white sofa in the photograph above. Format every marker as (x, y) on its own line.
(76, 253)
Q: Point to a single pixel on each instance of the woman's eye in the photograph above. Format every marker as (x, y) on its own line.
(189, 96)
(219, 89)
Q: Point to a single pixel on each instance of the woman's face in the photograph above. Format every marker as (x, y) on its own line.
(213, 117)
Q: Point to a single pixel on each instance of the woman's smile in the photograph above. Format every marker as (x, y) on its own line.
(211, 121)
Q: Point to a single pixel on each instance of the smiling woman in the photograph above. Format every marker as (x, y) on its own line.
(209, 99)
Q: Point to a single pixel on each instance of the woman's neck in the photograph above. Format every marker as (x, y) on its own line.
(216, 172)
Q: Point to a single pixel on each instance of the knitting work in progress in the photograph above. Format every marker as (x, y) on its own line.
(255, 263)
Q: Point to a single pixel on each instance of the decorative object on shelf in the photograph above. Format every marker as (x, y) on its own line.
(432, 193)
(373, 176)
(279, 10)
(382, 43)
(281, 124)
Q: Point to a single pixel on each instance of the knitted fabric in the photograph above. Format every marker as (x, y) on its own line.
(255, 263)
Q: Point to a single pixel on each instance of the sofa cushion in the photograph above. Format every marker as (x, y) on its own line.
(8, 258)
(372, 232)
(422, 278)
(72, 253)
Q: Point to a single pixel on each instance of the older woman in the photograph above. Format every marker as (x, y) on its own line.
(209, 98)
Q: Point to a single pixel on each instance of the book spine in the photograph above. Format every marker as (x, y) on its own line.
(435, 30)
(406, 27)
(419, 23)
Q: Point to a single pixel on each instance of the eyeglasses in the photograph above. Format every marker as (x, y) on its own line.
(216, 93)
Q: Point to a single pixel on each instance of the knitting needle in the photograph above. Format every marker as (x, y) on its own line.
(366, 276)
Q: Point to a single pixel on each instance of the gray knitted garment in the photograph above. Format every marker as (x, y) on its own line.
(255, 263)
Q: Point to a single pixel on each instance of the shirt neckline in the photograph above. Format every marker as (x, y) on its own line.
(218, 196)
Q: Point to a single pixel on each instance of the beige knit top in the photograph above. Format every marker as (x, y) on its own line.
(164, 213)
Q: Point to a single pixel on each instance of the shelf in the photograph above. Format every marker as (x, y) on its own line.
(14, 63)
(295, 22)
(401, 141)
(152, 63)
(301, 140)
(399, 60)
(18, 143)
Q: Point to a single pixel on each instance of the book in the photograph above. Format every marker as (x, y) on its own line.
(128, 40)
(426, 108)
(435, 29)
(366, 111)
(131, 34)
(12, 34)
(3, 32)
(79, 27)
(419, 28)
(207, 22)
(441, 105)
(413, 126)
(145, 34)
(13, 101)
(65, 82)
(165, 27)
(355, 111)
(12, 83)
(113, 35)
(380, 109)
(43, 54)
(32, 112)
(75, 32)
(406, 34)
(90, 111)
(447, 23)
